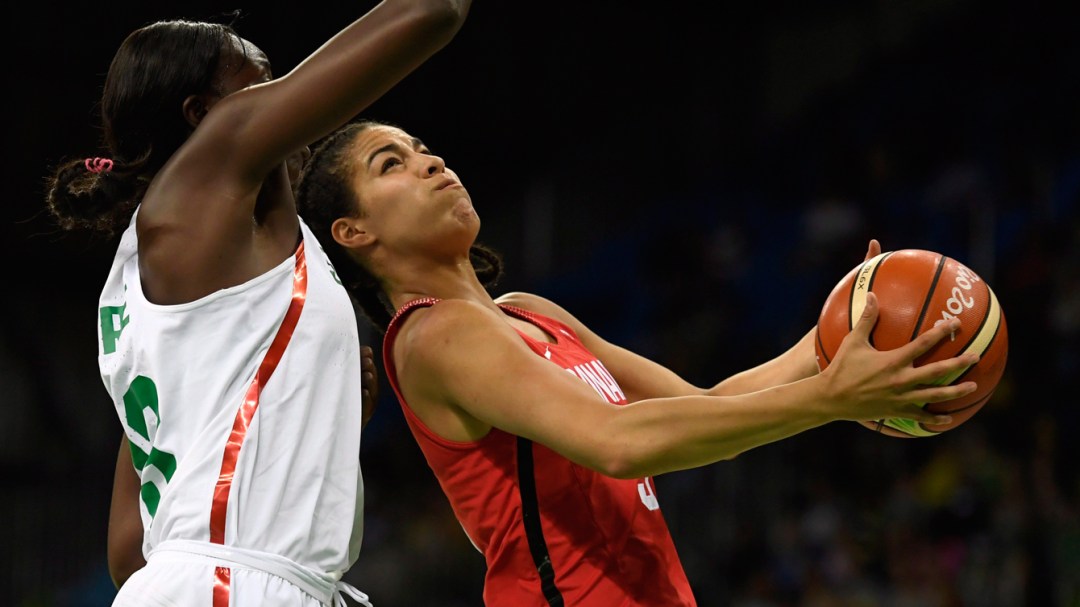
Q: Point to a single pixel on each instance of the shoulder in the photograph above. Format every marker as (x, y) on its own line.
(428, 331)
(536, 304)
(427, 352)
(545, 307)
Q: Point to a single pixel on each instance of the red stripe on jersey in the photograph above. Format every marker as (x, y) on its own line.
(246, 413)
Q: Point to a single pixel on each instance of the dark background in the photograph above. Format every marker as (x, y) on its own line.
(690, 179)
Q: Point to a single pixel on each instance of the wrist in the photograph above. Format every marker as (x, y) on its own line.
(822, 396)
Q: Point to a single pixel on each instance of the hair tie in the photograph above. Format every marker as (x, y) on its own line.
(98, 165)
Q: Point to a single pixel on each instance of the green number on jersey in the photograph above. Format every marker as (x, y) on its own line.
(113, 322)
(142, 396)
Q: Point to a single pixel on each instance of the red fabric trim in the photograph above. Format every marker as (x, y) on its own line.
(222, 577)
(246, 413)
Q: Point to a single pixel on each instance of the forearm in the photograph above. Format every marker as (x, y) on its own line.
(797, 363)
(861, 384)
(664, 435)
(658, 435)
(124, 550)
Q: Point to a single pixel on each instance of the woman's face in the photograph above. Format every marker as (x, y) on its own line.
(410, 201)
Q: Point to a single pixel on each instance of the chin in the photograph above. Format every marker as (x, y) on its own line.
(465, 213)
(471, 226)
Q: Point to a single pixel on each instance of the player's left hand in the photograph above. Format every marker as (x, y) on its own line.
(810, 355)
(873, 250)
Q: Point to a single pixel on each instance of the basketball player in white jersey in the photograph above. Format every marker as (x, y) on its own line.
(226, 340)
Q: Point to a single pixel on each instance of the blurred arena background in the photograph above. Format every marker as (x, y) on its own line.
(691, 179)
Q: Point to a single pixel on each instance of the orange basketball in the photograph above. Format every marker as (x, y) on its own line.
(915, 290)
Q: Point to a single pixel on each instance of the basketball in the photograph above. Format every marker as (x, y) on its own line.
(917, 289)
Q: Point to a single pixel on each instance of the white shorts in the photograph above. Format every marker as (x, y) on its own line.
(185, 576)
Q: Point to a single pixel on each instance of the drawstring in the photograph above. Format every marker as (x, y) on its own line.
(352, 592)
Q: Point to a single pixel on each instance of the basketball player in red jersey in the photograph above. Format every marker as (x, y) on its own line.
(542, 434)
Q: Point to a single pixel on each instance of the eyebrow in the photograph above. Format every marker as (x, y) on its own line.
(394, 146)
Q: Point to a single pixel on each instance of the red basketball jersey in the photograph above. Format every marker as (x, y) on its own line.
(552, 532)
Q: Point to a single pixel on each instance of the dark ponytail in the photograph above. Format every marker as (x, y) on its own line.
(153, 71)
(79, 198)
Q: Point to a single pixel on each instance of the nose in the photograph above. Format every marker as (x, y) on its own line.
(434, 165)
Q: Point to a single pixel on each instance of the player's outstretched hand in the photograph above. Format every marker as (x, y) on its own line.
(866, 384)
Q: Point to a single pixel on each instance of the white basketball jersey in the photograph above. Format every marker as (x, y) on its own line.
(243, 408)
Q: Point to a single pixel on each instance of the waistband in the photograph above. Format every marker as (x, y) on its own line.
(322, 586)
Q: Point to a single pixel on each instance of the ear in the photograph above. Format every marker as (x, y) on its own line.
(194, 109)
(349, 232)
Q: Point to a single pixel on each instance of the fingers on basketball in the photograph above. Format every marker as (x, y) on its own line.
(915, 298)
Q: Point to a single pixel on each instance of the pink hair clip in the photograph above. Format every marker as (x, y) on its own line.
(98, 165)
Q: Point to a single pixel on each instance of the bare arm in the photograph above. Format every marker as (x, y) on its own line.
(503, 384)
(641, 378)
(125, 523)
(196, 231)
(262, 125)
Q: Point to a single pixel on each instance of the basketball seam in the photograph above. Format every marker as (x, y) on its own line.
(821, 345)
(981, 401)
(989, 344)
(929, 296)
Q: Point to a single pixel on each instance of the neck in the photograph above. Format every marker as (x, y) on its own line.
(451, 281)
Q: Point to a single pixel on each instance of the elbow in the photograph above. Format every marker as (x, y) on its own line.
(442, 18)
(629, 452)
(627, 446)
(628, 463)
(124, 551)
(118, 574)
(623, 470)
(120, 569)
(619, 459)
(624, 445)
